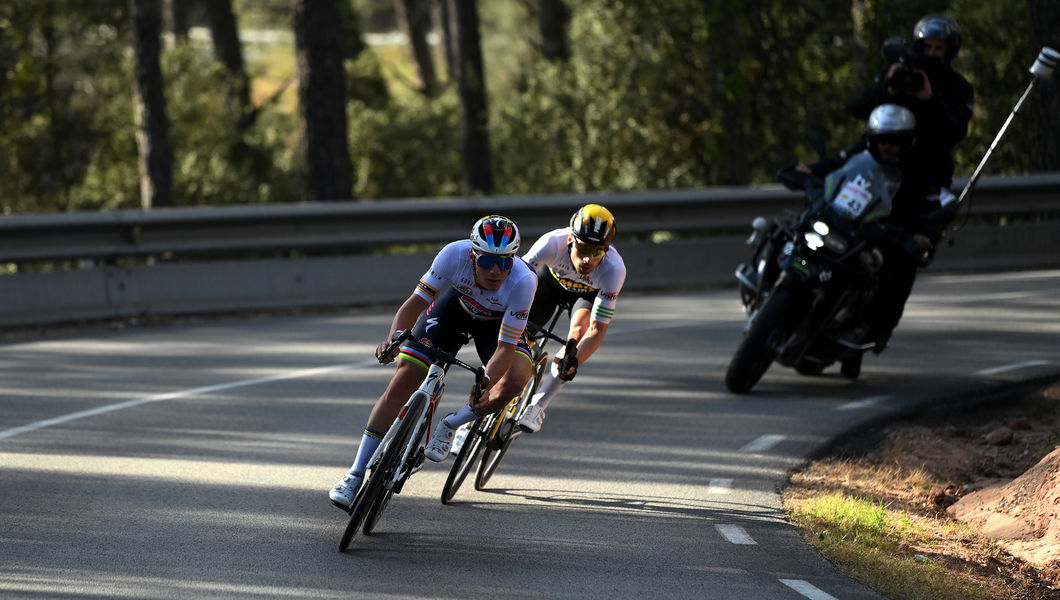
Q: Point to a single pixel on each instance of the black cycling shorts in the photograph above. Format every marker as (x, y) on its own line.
(550, 296)
(446, 325)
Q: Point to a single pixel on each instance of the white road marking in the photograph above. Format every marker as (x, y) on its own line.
(807, 589)
(735, 534)
(763, 443)
(864, 403)
(1012, 367)
(177, 395)
(719, 486)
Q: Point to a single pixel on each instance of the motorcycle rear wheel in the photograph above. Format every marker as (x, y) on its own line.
(757, 351)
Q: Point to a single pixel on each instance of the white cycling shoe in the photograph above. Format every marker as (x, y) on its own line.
(345, 490)
(441, 441)
(461, 437)
(532, 419)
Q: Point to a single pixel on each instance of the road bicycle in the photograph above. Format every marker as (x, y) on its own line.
(492, 435)
(401, 451)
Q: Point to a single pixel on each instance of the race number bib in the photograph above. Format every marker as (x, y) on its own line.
(853, 198)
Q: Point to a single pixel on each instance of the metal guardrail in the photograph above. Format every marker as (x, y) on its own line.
(207, 259)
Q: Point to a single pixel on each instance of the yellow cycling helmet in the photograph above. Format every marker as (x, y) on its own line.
(593, 224)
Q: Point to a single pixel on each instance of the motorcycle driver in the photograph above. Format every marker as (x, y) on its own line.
(580, 265)
(890, 138)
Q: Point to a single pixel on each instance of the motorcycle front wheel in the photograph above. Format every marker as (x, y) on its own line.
(757, 351)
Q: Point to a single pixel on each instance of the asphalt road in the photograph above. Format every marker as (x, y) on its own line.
(193, 460)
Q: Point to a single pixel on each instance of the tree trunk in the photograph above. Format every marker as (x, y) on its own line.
(227, 48)
(474, 117)
(156, 157)
(178, 19)
(445, 23)
(1045, 109)
(326, 168)
(727, 37)
(414, 17)
(858, 15)
(552, 17)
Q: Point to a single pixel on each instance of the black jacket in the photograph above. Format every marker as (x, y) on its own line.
(941, 121)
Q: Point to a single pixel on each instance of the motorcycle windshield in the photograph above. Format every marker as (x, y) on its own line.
(862, 189)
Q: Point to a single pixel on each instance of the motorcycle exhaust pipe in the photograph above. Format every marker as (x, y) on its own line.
(1041, 69)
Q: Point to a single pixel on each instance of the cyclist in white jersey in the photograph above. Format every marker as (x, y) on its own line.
(475, 289)
(580, 266)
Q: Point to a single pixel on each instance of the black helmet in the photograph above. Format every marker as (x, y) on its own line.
(938, 27)
(593, 224)
(890, 123)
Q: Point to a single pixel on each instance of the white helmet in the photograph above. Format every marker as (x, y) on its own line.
(890, 123)
(495, 235)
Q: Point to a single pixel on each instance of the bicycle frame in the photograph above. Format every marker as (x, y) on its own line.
(431, 389)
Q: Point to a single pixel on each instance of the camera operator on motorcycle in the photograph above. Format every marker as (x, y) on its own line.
(920, 78)
(891, 139)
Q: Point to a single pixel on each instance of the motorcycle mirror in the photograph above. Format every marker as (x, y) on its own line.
(817, 143)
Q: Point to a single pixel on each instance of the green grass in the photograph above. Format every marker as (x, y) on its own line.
(877, 546)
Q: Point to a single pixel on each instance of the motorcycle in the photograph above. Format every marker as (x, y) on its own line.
(813, 274)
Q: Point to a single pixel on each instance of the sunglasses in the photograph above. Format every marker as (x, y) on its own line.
(590, 250)
(488, 261)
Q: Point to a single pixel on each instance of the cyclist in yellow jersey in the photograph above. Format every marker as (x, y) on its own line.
(577, 264)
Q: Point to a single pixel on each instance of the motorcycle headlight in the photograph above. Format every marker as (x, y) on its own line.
(822, 236)
(813, 239)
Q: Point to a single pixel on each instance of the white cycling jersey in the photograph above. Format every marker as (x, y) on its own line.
(553, 250)
(511, 303)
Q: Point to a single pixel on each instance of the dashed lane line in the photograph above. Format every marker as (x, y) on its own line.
(721, 485)
(763, 443)
(863, 403)
(735, 534)
(1012, 367)
(807, 589)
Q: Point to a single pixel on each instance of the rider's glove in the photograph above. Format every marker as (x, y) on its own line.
(476, 393)
(566, 364)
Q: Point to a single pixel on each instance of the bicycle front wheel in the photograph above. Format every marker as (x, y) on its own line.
(509, 430)
(465, 459)
(390, 463)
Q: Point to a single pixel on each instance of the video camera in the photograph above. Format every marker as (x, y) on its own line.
(905, 80)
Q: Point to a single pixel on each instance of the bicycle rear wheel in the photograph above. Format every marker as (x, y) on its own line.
(493, 456)
(465, 459)
(390, 463)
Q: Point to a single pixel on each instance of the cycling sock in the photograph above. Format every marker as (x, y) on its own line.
(369, 442)
(465, 415)
(548, 390)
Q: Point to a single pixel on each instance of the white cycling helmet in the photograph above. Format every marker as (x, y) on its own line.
(495, 235)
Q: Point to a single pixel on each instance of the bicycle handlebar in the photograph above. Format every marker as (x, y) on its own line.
(396, 340)
(443, 358)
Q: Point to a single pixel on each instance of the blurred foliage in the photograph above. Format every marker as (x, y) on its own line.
(663, 94)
